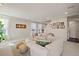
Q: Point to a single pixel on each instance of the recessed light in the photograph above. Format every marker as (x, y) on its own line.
(66, 13)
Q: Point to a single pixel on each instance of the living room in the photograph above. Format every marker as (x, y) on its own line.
(35, 29)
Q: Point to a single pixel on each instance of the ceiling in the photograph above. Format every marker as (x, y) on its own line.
(39, 11)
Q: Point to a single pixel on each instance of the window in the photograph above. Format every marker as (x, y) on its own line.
(33, 27)
(3, 29)
(37, 28)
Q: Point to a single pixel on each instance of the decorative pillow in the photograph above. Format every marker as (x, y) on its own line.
(50, 37)
(22, 48)
(41, 36)
(42, 43)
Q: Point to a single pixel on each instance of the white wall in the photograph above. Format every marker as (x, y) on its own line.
(59, 33)
(15, 33)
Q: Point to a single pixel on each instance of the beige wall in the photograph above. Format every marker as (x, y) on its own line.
(15, 33)
(59, 33)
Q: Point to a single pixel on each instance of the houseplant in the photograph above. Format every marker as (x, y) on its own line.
(1, 32)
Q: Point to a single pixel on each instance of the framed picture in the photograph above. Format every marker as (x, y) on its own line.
(21, 26)
(57, 25)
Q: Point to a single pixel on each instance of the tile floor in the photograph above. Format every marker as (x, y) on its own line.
(71, 49)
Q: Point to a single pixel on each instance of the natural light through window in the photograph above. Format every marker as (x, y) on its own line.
(3, 29)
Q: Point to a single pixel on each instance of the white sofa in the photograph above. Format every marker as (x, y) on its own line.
(53, 49)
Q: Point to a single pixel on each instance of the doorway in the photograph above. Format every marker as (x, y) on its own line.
(73, 29)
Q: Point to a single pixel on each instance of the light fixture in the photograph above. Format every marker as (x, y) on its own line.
(66, 13)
